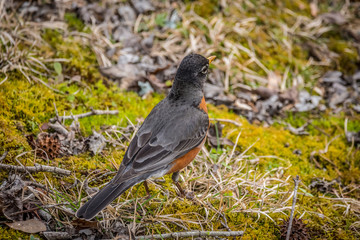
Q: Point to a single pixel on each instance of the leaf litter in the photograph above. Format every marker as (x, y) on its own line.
(144, 60)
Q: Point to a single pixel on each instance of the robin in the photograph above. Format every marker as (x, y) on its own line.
(168, 140)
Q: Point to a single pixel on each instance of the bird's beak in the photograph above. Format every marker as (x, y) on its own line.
(211, 59)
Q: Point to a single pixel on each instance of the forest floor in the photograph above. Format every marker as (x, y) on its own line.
(283, 97)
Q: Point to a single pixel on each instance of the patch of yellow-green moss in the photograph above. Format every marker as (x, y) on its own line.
(26, 106)
(80, 58)
(10, 234)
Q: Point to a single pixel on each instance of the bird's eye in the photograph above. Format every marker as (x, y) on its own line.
(204, 70)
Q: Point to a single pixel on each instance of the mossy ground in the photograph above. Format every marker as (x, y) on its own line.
(25, 106)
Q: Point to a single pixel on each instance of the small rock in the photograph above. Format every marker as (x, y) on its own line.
(128, 58)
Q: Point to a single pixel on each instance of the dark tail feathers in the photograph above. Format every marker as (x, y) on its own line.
(104, 197)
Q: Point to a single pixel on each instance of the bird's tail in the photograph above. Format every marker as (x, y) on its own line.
(104, 197)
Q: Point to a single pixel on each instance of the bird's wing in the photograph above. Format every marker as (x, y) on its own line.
(163, 137)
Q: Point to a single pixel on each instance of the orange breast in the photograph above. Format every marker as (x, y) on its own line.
(202, 105)
(183, 161)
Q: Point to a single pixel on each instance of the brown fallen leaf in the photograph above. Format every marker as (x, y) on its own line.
(28, 226)
(83, 224)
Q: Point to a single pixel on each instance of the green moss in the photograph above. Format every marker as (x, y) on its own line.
(349, 58)
(206, 8)
(74, 23)
(132, 106)
(25, 106)
(7, 233)
(81, 59)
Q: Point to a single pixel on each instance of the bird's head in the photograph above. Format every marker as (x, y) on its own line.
(193, 70)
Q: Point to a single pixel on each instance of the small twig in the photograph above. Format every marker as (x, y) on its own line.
(3, 156)
(102, 176)
(38, 185)
(322, 151)
(47, 85)
(300, 130)
(176, 235)
(226, 120)
(37, 208)
(296, 181)
(56, 111)
(22, 166)
(320, 130)
(59, 128)
(4, 80)
(82, 115)
(35, 168)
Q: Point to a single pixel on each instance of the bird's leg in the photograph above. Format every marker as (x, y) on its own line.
(147, 189)
(175, 178)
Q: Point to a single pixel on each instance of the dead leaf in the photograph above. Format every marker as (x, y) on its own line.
(332, 77)
(83, 224)
(96, 142)
(289, 96)
(122, 70)
(28, 226)
(264, 92)
(307, 102)
(127, 14)
(334, 18)
(142, 6)
(322, 185)
(320, 52)
(126, 58)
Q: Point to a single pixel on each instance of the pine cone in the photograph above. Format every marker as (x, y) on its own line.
(46, 145)
(299, 230)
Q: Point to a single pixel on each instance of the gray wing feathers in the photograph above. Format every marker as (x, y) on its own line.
(161, 140)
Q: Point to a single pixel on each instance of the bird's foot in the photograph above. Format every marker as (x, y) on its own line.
(147, 190)
(185, 194)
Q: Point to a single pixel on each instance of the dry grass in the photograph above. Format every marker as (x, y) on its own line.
(227, 183)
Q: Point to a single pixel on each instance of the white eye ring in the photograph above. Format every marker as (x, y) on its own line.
(204, 70)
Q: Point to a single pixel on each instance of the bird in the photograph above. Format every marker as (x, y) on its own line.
(167, 141)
